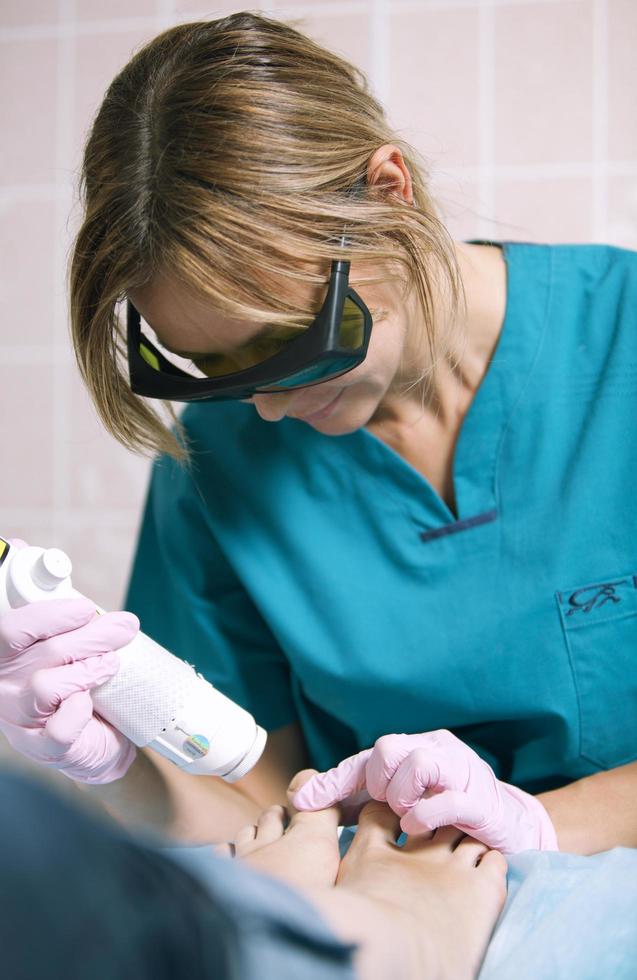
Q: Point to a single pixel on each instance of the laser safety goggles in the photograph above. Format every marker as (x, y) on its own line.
(281, 359)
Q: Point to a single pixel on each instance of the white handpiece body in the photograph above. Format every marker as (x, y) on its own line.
(155, 699)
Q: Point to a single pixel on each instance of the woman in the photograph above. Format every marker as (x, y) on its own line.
(462, 556)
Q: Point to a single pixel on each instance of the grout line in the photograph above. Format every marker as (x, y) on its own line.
(546, 171)
(537, 172)
(46, 192)
(55, 354)
(600, 120)
(165, 10)
(61, 409)
(166, 15)
(68, 517)
(486, 116)
(380, 46)
(284, 11)
(416, 5)
(36, 32)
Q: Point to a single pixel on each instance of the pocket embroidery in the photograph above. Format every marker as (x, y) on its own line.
(600, 630)
(599, 601)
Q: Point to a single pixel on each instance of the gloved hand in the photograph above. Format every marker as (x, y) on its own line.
(52, 653)
(435, 780)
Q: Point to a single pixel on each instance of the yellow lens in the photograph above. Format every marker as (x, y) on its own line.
(351, 335)
(352, 329)
(149, 357)
(218, 365)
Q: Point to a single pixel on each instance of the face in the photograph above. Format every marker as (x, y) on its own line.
(185, 323)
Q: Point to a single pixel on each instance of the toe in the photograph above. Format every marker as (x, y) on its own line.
(377, 822)
(298, 781)
(315, 820)
(492, 868)
(470, 852)
(494, 862)
(245, 839)
(270, 825)
(438, 843)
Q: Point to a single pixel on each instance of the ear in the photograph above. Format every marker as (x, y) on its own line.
(388, 171)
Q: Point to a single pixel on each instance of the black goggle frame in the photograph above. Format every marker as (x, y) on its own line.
(318, 346)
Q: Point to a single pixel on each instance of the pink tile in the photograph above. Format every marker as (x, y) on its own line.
(345, 34)
(194, 10)
(34, 531)
(459, 202)
(99, 57)
(544, 210)
(101, 556)
(27, 277)
(104, 474)
(28, 113)
(17, 13)
(283, 5)
(434, 86)
(26, 435)
(543, 78)
(622, 212)
(99, 10)
(622, 79)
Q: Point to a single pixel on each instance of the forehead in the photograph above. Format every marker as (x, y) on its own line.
(182, 319)
(185, 320)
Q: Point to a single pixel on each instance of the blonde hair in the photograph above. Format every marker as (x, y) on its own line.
(221, 155)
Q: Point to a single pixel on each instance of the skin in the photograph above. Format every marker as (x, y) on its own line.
(425, 909)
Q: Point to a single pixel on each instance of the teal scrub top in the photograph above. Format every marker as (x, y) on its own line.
(323, 580)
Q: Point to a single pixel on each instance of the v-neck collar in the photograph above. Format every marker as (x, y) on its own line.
(475, 458)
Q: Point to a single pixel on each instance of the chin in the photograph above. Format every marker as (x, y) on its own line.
(345, 422)
(354, 410)
(333, 427)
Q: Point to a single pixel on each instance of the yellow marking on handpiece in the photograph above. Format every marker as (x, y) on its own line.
(4, 549)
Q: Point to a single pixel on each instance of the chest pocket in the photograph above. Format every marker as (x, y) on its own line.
(600, 627)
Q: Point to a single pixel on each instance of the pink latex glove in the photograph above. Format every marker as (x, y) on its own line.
(52, 654)
(435, 780)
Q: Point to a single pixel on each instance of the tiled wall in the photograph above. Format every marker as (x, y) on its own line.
(525, 110)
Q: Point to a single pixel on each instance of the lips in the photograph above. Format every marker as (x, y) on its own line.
(322, 413)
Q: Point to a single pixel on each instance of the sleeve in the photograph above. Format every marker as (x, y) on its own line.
(279, 932)
(104, 904)
(190, 600)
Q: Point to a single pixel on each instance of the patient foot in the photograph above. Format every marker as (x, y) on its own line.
(303, 851)
(445, 892)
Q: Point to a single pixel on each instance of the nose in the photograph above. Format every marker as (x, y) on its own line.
(272, 407)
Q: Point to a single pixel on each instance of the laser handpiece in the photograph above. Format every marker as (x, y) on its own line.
(155, 699)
